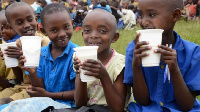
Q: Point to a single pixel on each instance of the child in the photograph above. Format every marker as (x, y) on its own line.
(24, 23)
(115, 6)
(8, 35)
(150, 92)
(108, 89)
(43, 3)
(128, 16)
(55, 76)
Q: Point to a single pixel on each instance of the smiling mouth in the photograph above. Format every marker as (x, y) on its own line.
(29, 32)
(62, 40)
(95, 44)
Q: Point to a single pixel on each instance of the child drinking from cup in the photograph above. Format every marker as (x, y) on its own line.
(151, 93)
(107, 92)
(55, 77)
(25, 24)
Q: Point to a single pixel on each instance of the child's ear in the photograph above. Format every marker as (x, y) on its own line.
(176, 15)
(43, 31)
(115, 38)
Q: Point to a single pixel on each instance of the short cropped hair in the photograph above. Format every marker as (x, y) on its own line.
(12, 6)
(52, 8)
(174, 4)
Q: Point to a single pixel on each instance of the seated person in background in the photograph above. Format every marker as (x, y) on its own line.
(107, 92)
(128, 16)
(7, 77)
(102, 5)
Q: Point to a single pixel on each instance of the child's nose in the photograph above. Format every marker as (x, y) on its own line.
(94, 34)
(62, 33)
(26, 25)
(145, 22)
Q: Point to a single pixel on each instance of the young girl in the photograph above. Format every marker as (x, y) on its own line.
(55, 76)
(107, 89)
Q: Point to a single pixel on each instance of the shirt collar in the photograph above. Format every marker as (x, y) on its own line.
(179, 44)
(13, 39)
(47, 52)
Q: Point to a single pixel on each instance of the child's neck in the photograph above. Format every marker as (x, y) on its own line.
(169, 39)
(56, 51)
(105, 56)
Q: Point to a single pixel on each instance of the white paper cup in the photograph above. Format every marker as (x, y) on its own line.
(154, 37)
(31, 46)
(83, 53)
(10, 62)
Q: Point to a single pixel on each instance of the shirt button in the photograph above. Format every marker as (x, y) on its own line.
(162, 66)
(161, 104)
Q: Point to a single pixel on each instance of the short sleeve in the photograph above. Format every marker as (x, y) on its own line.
(40, 71)
(128, 72)
(192, 77)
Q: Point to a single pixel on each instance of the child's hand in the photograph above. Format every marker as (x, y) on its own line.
(36, 91)
(96, 68)
(30, 70)
(1, 54)
(169, 56)
(13, 52)
(77, 64)
(139, 48)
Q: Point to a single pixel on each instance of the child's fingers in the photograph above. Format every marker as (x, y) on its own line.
(141, 55)
(137, 38)
(140, 44)
(142, 49)
(165, 52)
(90, 73)
(165, 48)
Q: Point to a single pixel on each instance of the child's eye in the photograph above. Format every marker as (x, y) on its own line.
(103, 31)
(140, 15)
(66, 27)
(30, 20)
(19, 22)
(86, 30)
(152, 15)
(54, 30)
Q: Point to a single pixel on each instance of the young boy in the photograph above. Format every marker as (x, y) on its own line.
(24, 23)
(55, 76)
(150, 92)
(8, 35)
(107, 92)
(43, 3)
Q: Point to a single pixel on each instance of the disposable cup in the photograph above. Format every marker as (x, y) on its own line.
(10, 62)
(83, 53)
(31, 46)
(154, 37)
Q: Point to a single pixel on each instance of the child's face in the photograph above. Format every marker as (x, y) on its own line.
(7, 31)
(125, 5)
(98, 31)
(23, 21)
(58, 27)
(155, 14)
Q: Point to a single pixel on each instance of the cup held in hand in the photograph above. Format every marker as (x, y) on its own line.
(154, 37)
(10, 62)
(83, 53)
(31, 46)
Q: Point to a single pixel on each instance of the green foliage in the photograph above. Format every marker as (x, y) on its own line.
(189, 30)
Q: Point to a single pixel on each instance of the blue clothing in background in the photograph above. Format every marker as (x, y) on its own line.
(73, 15)
(58, 74)
(13, 39)
(162, 94)
(107, 8)
(3, 106)
(38, 11)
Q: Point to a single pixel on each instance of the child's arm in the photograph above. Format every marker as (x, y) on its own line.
(4, 83)
(80, 94)
(184, 97)
(140, 89)
(41, 92)
(113, 92)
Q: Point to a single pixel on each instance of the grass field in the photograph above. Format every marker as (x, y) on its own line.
(189, 30)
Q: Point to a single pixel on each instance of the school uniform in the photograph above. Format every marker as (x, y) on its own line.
(162, 94)
(58, 74)
(19, 91)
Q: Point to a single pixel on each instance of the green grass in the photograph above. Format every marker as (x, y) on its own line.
(189, 30)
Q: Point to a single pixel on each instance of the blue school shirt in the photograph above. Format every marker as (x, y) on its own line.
(13, 39)
(161, 94)
(38, 11)
(58, 74)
